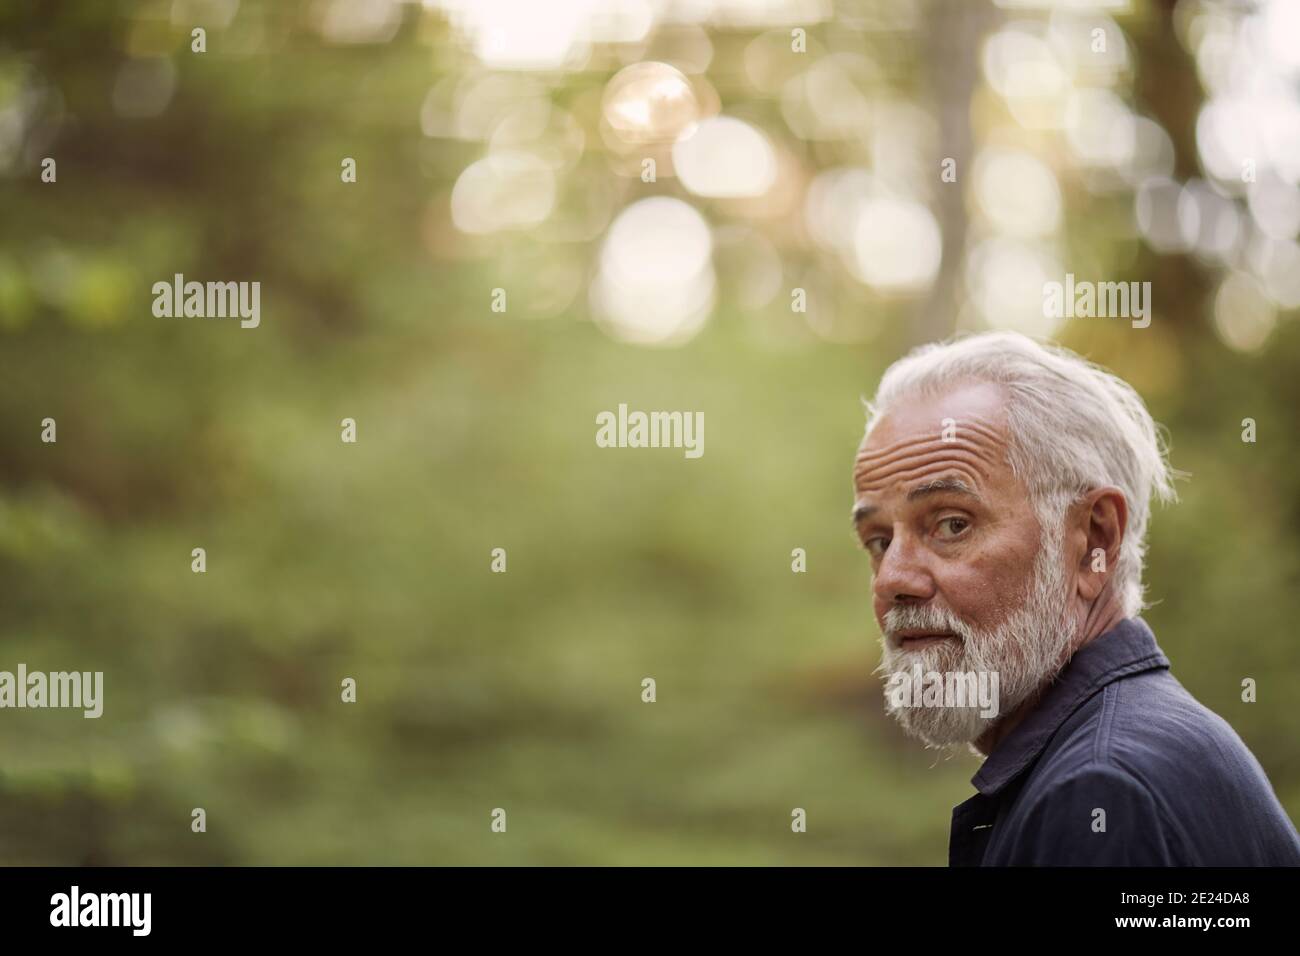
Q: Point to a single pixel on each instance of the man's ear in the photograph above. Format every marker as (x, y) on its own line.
(1102, 516)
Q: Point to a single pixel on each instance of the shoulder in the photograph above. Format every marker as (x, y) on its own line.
(1094, 814)
(1149, 728)
(1145, 747)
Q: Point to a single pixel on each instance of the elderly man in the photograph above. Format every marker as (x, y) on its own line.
(1003, 491)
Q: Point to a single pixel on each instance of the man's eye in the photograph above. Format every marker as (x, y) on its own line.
(876, 546)
(954, 525)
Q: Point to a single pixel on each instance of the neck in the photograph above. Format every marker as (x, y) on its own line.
(986, 741)
(1101, 616)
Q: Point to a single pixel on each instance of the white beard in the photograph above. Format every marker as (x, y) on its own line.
(1026, 651)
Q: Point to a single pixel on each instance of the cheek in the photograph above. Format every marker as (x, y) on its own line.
(983, 586)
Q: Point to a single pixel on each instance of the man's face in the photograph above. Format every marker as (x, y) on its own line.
(961, 581)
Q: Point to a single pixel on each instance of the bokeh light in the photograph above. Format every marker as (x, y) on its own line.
(656, 283)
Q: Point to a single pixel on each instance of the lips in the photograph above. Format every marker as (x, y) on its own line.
(914, 639)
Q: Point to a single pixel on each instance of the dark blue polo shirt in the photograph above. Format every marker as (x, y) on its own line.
(1116, 732)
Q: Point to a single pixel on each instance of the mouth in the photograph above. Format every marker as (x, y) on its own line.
(913, 640)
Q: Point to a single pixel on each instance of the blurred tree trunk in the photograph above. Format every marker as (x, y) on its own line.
(955, 32)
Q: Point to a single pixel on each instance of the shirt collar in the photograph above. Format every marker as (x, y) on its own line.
(1127, 648)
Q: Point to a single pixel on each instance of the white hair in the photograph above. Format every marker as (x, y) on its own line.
(1073, 427)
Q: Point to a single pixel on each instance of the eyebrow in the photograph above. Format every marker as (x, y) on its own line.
(938, 486)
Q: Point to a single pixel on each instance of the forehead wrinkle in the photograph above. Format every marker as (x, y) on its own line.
(987, 450)
(929, 447)
(990, 432)
(974, 456)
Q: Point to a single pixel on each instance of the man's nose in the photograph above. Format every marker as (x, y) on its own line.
(903, 576)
